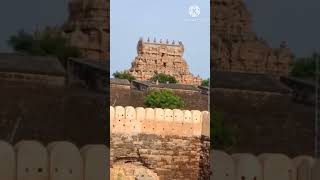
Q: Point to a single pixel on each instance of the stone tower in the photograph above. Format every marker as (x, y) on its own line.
(88, 28)
(239, 47)
(162, 57)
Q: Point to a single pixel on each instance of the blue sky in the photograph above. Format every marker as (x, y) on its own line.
(165, 19)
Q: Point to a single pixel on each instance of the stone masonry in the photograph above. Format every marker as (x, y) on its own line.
(162, 57)
(88, 28)
(239, 47)
(162, 143)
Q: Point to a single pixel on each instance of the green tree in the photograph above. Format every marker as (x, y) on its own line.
(48, 42)
(305, 67)
(223, 136)
(164, 78)
(123, 75)
(163, 99)
(205, 82)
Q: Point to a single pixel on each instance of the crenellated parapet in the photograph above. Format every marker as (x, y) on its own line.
(163, 122)
(160, 47)
(264, 166)
(30, 159)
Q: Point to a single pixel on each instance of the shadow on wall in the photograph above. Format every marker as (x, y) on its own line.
(266, 166)
(59, 160)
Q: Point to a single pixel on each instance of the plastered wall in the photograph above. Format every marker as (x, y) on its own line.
(30, 160)
(130, 120)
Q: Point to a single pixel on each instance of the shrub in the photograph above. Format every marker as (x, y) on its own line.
(164, 78)
(163, 99)
(205, 82)
(47, 42)
(123, 75)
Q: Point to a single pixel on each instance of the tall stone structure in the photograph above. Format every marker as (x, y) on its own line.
(162, 57)
(88, 28)
(239, 48)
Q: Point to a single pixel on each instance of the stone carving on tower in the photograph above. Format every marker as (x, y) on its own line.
(162, 57)
(240, 48)
(88, 28)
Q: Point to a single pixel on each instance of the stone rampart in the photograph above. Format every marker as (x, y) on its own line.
(173, 144)
(121, 95)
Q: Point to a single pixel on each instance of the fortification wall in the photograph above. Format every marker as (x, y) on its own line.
(266, 166)
(52, 80)
(266, 122)
(30, 111)
(173, 143)
(123, 96)
(60, 160)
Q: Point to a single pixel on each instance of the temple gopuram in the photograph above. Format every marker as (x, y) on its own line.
(88, 28)
(236, 48)
(162, 57)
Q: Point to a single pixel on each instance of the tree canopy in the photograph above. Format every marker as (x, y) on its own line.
(163, 99)
(164, 78)
(305, 67)
(44, 43)
(205, 82)
(123, 75)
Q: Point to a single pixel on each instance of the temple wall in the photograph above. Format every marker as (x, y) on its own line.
(34, 78)
(50, 114)
(266, 122)
(121, 95)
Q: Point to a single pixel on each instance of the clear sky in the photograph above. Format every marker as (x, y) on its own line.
(166, 19)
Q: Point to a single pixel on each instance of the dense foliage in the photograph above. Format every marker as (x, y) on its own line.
(164, 78)
(305, 67)
(123, 75)
(163, 99)
(205, 82)
(46, 43)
